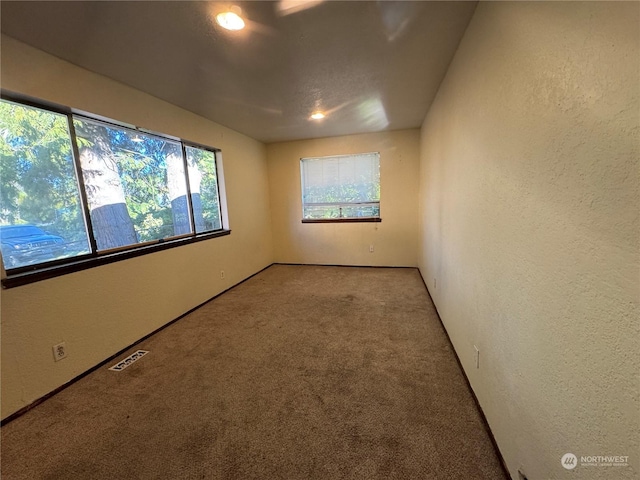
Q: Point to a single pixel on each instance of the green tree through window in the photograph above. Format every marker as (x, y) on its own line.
(135, 185)
(37, 178)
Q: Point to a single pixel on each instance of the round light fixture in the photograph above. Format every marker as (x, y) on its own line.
(317, 116)
(230, 21)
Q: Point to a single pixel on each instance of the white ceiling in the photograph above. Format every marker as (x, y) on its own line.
(371, 65)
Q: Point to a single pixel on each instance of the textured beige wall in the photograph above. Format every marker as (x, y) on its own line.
(394, 239)
(102, 310)
(529, 206)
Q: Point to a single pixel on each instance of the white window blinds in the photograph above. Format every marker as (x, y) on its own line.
(345, 186)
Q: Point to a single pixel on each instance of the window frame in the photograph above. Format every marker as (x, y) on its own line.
(32, 273)
(376, 219)
(219, 187)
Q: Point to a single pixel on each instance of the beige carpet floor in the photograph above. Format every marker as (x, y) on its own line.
(301, 372)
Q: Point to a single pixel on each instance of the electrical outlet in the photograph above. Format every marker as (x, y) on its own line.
(221, 273)
(59, 351)
(371, 248)
(477, 356)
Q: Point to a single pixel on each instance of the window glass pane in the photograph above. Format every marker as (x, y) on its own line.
(135, 184)
(341, 211)
(341, 187)
(40, 208)
(203, 182)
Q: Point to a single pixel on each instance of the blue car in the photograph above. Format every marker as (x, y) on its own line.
(27, 244)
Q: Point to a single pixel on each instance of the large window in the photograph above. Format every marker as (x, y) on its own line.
(341, 188)
(73, 187)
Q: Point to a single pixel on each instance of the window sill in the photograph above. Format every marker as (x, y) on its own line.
(342, 220)
(44, 272)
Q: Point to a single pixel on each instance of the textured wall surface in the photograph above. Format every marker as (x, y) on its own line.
(99, 311)
(530, 233)
(394, 239)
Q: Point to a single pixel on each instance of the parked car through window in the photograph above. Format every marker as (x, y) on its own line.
(26, 244)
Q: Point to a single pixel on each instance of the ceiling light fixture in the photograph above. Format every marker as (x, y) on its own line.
(230, 20)
(317, 116)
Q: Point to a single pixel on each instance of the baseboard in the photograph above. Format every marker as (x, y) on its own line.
(473, 394)
(341, 265)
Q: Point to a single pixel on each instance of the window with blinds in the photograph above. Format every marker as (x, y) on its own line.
(342, 187)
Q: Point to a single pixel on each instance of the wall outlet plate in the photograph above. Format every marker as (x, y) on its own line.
(59, 351)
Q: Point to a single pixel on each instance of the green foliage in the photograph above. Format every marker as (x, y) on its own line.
(37, 175)
(38, 180)
(142, 168)
(205, 162)
(143, 174)
(341, 200)
(344, 193)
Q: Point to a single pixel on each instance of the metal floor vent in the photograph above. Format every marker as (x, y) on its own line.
(134, 357)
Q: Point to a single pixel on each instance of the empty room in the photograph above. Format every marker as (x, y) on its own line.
(315, 239)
